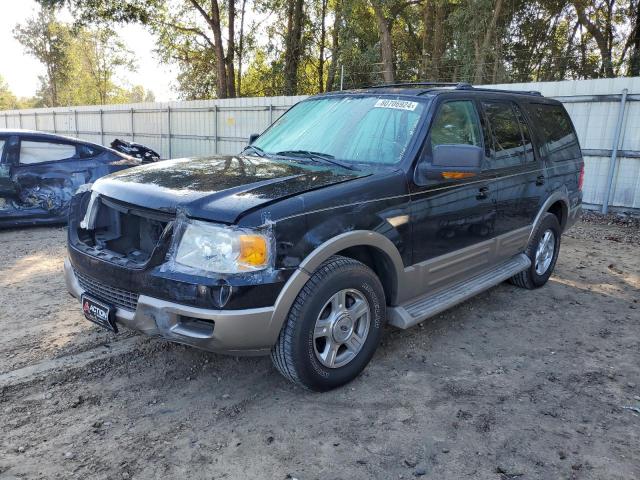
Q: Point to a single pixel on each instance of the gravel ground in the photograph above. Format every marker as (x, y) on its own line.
(511, 384)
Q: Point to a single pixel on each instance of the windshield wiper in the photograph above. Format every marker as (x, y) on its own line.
(326, 157)
(257, 150)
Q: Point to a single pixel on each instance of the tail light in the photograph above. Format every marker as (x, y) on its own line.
(581, 178)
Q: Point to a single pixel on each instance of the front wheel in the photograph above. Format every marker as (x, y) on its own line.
(334, 326)
(543, 250)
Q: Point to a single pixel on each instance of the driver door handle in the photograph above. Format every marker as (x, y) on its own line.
(482, 193)
(540, 180)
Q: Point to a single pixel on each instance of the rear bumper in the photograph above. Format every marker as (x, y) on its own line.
(240, 332)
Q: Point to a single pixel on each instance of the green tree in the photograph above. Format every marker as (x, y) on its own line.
(81, 63)
(190, 32)
(8, 100)
(49, 41)
(300, 47)
(103, 54)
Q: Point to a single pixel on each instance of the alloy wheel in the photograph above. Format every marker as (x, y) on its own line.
(545, 251)
(341, 328)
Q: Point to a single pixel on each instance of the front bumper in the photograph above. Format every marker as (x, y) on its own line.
(240, 332)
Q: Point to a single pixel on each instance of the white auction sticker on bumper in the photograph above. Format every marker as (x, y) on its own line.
(397, 104)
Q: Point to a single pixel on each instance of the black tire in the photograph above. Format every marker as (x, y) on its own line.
(294, 354)
(530, 278)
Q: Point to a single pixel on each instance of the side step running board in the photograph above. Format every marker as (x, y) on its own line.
(421, 308)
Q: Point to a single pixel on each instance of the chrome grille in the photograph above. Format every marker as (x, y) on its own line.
(116, 296)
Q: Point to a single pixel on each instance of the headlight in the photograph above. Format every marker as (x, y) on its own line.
(219, 249)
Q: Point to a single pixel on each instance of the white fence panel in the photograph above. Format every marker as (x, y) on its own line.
(174, 129)
(205, 127)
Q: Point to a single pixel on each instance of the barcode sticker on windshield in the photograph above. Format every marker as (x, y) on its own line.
(397, 104)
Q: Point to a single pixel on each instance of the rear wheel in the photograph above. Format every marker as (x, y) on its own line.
(543, 250)
(334, 326)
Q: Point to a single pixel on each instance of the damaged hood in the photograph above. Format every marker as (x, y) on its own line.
(219, 188)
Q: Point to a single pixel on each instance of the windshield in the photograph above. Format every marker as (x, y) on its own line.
(351, 129)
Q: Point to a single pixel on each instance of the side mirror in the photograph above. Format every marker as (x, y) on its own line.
(452, 162)
(253, 137)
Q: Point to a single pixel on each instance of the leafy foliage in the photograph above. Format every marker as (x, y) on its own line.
(290, 46)
(80, 63)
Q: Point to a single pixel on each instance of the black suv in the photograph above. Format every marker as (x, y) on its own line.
(354, 209)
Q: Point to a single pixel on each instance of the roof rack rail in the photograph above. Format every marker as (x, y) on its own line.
(415, 84)
(457, 86)
(467, 86)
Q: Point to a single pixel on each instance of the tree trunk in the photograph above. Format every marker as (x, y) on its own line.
(241, 48)
(565, 58)
(293, 46)
(481, 52)
(323, 35)
(213, 20)
(634, 60)
(221, 80)
(335, 38)
(386, 44)
(427, 38)
(438, 39)
(600, 37)
(583, 54)
(496, 63)
(231, 48)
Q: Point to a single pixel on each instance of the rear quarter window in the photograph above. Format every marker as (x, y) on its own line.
(89, 151)
(559, 141)
(33, 152)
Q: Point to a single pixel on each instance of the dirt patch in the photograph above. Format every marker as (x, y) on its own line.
(39, 319)
(511, 384)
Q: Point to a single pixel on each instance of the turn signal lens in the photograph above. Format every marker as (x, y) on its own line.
(457, 175)
(253, 250)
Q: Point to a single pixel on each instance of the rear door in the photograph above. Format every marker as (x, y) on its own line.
(518, 182)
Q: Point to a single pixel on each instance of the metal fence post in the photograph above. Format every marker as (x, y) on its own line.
(55, 130)
(270, 113)
(75, 122)
(215, 129)
(101, 127)
(169, 128)
(35, 119)
(614, 151)
(20, 119)
(133, 133)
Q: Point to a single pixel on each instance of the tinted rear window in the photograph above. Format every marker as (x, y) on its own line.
(559, 142)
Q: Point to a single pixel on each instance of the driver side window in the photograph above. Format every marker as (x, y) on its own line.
(456, 123)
